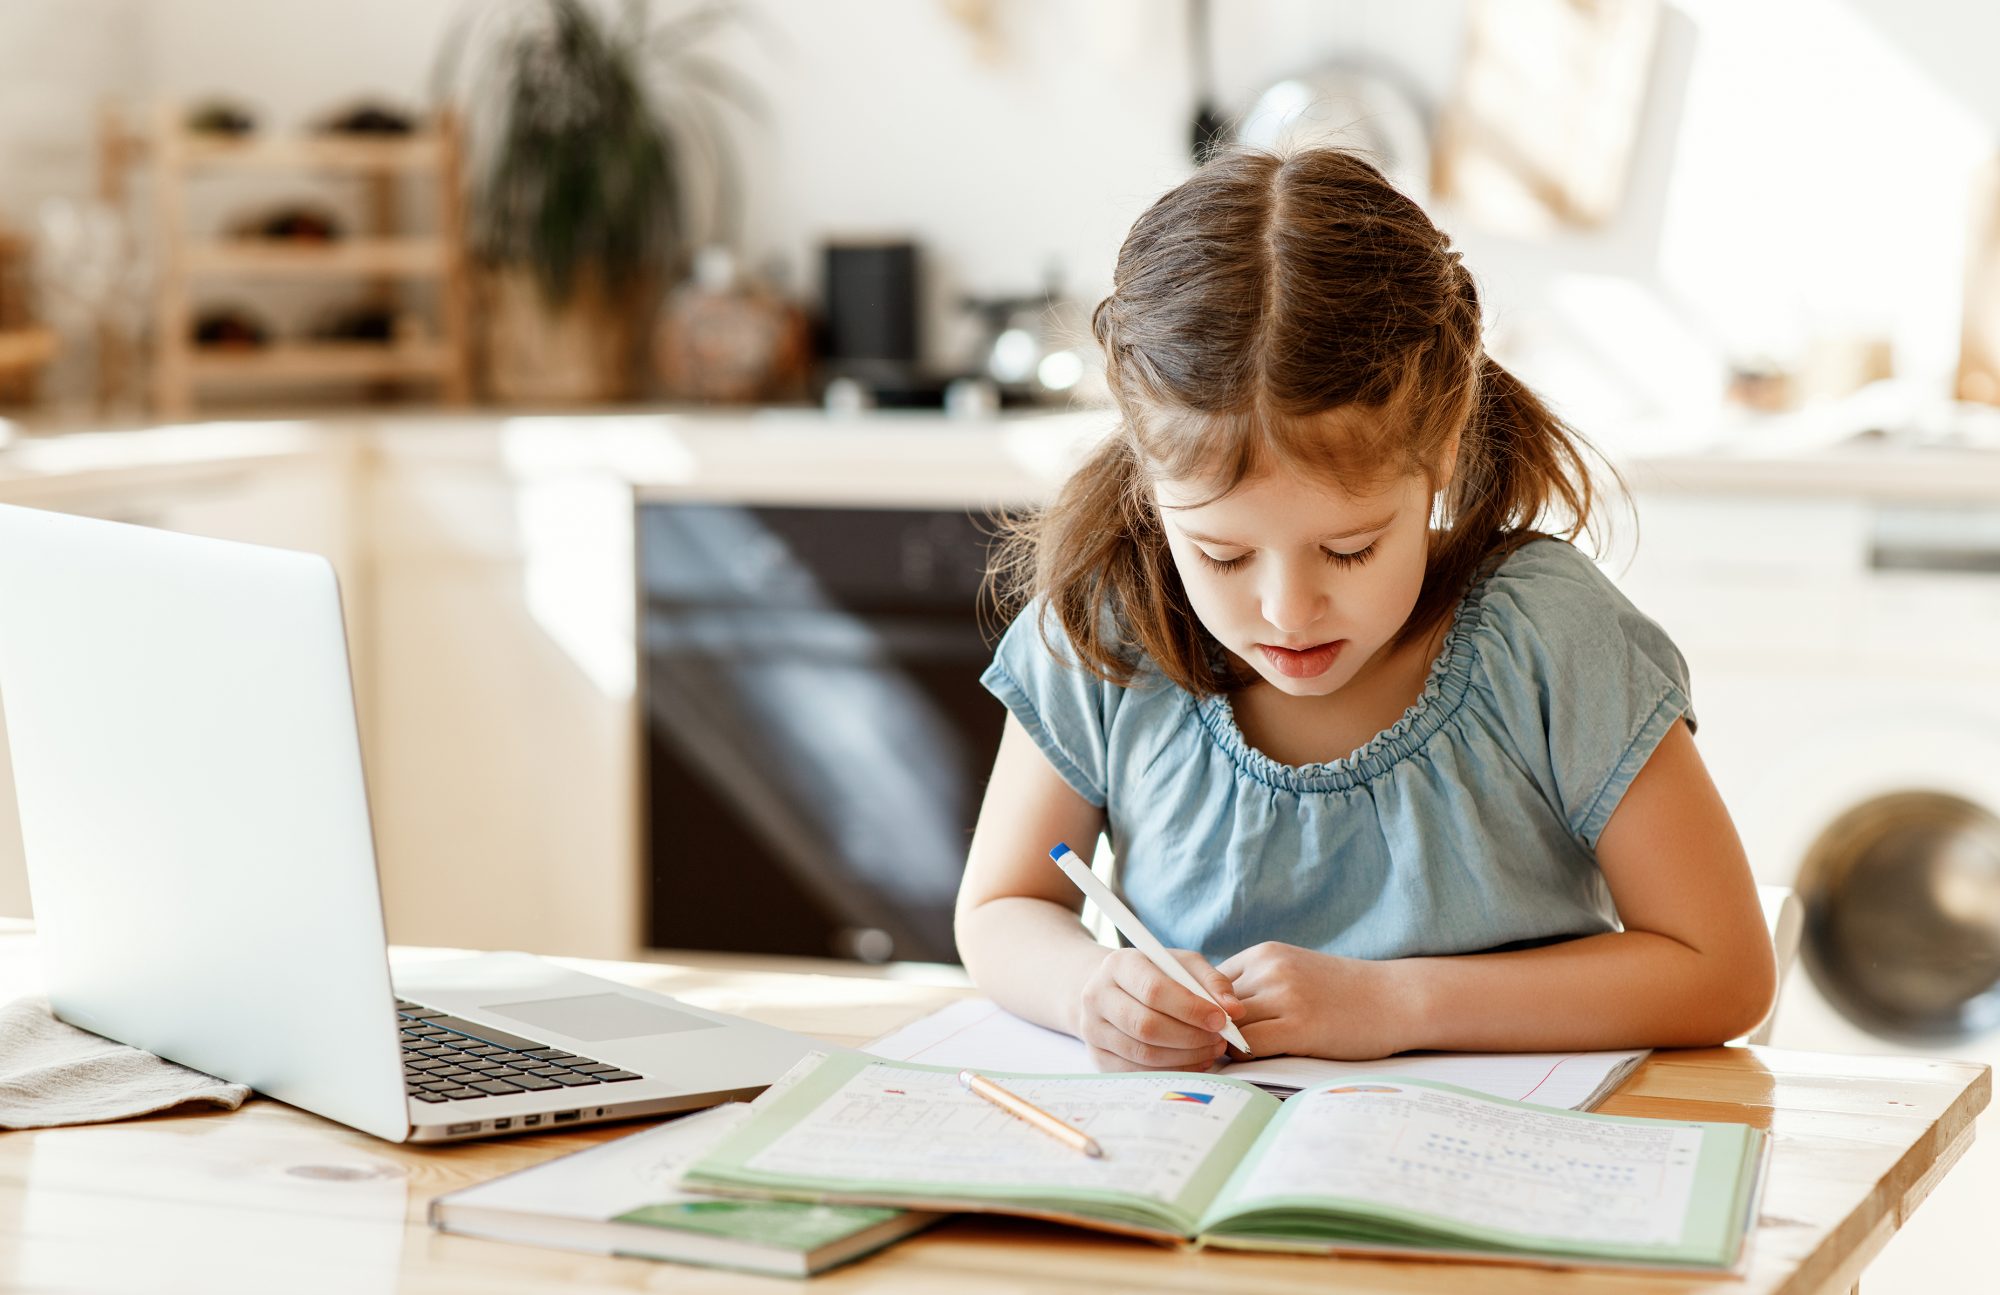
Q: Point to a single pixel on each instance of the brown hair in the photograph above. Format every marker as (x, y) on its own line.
(1286, 312)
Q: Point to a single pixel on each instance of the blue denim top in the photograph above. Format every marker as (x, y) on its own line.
(1468, 824)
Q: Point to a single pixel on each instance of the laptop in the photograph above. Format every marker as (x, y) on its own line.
(181, 718)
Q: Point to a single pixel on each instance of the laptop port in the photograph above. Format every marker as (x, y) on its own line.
(564, 1117)
(526, 1120)
(502, 1124)
(472, 1127)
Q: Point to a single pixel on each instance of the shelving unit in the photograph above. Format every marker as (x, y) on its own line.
(24, 346)
(379, 260)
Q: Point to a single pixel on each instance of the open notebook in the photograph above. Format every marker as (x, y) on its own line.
(1376, 1164)
(978, 1034)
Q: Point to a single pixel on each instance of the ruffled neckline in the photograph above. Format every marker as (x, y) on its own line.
(1444, 690)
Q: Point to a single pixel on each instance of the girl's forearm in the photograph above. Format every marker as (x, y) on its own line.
(1624, 989)
(1031, 956)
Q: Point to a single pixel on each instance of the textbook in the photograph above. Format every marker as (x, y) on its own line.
(621, 1198)
(980, 1034)
(1377, 1164)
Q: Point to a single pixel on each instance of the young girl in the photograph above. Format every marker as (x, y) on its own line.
(1390, 768)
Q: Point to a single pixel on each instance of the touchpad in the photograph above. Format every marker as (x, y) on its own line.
(600, 1016)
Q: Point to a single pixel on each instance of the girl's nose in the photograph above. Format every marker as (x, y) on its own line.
(1294, 600)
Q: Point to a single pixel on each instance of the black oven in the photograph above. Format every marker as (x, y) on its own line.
(816, 739)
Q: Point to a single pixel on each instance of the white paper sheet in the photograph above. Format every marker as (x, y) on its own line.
(979, 1034)
(615, 1177)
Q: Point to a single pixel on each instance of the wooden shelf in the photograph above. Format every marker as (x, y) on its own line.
(341, 258)
(25, 348)
(320, 362)
(378, 260)
(416, 152)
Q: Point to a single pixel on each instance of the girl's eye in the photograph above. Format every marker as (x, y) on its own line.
(1353, 559)
(1224, 564)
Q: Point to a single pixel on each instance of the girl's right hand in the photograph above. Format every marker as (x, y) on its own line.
(1134, 1017)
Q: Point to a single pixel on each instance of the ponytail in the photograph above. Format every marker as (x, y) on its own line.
(1521, 474)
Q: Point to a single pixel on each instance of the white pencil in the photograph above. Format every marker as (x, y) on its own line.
(1132, 929)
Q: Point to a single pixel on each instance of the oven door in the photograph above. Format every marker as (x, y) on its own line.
(817, 739)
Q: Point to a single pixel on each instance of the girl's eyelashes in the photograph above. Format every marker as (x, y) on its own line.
(1338, 559)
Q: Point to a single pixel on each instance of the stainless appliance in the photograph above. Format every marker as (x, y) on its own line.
(816, 736)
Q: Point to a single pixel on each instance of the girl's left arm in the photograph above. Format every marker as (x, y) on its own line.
(1693, 966)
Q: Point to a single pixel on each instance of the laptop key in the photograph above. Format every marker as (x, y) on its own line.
(534, 1083)
(494, 1086)
(460, 1094)
(550, 1054)
(499, 1038)
(570, 1079)
(618, 1076)
(430, 1097)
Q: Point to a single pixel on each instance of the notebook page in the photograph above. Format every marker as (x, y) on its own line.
(1510, 1170)
(979, 1033)
(922, 1129)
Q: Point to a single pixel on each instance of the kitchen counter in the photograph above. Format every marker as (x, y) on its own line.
(802, 455)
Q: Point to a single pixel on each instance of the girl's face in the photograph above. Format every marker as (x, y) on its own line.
(1305, 582)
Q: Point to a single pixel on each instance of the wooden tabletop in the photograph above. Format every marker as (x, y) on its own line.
(270, 1198)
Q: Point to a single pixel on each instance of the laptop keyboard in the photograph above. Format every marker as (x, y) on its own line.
(446, 1059)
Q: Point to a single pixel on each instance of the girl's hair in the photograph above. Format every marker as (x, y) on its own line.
(1293, 313)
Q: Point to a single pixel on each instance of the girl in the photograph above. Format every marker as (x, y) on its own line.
(1393, 769)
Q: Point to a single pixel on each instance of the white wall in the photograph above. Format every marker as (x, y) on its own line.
(883, 116)
(1804, 172)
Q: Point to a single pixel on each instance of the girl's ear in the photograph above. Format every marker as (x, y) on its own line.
(1447, 466)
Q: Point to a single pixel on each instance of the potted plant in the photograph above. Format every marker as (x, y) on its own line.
(593, 151)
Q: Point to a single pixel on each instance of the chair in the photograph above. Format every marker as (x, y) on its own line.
(1783, 917)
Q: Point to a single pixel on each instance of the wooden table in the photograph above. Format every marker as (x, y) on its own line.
(269, 1198)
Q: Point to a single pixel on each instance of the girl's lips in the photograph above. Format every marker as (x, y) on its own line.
(1307, 664)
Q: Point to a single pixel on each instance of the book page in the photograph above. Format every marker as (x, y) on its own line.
(1510, 1169)
(614, 1177)
(921, 1129)
(979, 1033)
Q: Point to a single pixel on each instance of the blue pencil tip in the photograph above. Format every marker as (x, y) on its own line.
(1059, 851)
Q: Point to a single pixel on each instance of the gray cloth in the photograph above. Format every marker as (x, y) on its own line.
(52, 1073)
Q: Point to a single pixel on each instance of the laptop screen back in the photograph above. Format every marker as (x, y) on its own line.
(181, 720)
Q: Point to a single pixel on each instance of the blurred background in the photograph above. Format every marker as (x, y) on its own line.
(652, 374)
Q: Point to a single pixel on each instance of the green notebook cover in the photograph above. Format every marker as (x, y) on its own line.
(1376, 1163)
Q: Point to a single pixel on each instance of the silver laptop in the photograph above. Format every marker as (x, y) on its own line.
(202, 865)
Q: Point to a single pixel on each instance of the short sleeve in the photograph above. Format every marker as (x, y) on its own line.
(1586, 685)
(1065, 708)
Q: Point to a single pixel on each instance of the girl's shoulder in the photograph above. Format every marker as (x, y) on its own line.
(1553, 590)
(1579, 680)
(1080, 719)
(1550, 567)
